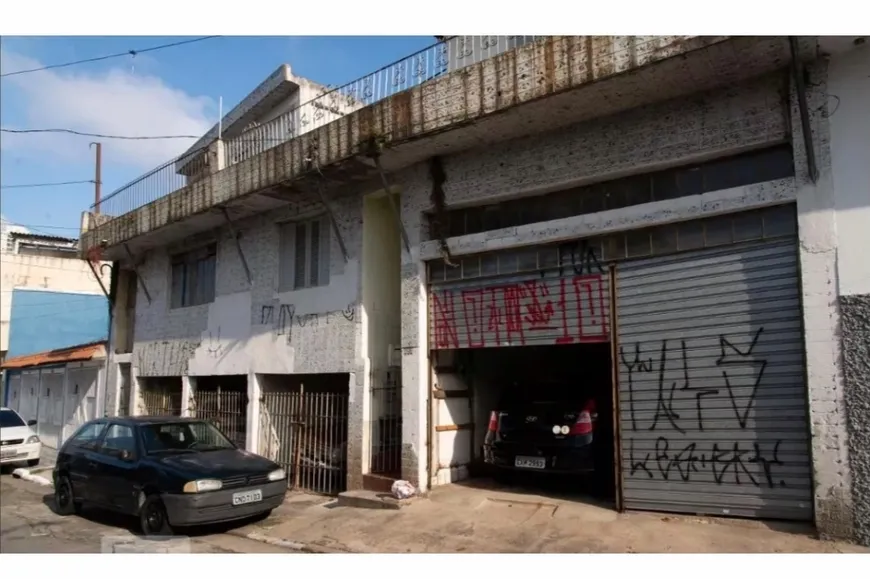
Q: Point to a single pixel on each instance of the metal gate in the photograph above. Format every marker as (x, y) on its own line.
(712, 396)
(161, 402)
(227, 409)
(547, 295)
(386, 425)
(306, 433)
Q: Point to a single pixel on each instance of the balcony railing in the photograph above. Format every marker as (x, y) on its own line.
(451, 54)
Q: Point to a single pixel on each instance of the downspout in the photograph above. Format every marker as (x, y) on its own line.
(797, 70)
(113, 291)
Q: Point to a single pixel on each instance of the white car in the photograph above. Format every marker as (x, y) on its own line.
(18, 442)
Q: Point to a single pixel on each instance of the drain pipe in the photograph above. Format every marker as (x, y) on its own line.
(797, 70)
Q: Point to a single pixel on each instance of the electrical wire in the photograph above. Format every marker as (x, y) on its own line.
(101, 136)
(32, 226)
(109, 56)
(55, 184)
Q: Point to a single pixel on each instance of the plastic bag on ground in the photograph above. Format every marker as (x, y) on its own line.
(402, 489)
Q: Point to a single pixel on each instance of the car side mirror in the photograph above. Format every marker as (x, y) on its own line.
(31, 423)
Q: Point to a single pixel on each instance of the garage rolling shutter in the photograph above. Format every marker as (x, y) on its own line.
(552, 305)
(711, 383)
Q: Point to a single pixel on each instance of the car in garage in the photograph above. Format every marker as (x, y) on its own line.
(168, 471)
(544, 427)
(19, 444)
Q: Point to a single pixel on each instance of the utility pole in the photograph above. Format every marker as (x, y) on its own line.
(98, 177)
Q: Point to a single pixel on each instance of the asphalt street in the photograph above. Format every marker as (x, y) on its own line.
(29, 525)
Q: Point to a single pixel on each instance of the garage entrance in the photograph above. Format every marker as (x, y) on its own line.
(224, 401)
(303, 427)
(523, 384)
(706, 358)
(161, 396)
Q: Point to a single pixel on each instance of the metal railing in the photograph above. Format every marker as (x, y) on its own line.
(161, 402)
(446, 56)
(226, 409)
(306, 433)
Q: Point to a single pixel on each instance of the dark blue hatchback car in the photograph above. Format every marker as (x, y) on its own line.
(167, 471)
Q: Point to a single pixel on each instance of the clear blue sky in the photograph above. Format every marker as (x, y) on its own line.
(170, 91)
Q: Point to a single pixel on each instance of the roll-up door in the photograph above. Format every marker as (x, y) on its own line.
(712, 395)
(539, 302)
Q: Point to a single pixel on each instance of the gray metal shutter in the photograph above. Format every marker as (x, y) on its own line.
(711, 383)
(548, 307)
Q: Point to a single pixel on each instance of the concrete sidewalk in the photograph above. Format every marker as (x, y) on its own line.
(477, 519)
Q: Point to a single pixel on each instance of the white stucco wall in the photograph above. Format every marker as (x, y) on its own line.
(849, 109)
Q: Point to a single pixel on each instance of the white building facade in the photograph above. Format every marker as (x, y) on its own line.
(681, 251)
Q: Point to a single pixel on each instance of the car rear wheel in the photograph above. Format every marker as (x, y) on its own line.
(153, 519)
(64, 499)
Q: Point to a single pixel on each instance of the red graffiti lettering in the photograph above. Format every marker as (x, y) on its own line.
(445, 321)
(513, 296)
(592, 315)
(540, 312)
(495, 317)
(472, 307)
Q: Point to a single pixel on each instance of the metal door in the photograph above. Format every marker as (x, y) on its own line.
(29, 400)
(547, 295)
(712, 393)
(81, 392)
(228, 409)
(15, 392)
(50, 412)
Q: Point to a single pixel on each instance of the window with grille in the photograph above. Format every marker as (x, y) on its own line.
(193, 277)
(304, 254)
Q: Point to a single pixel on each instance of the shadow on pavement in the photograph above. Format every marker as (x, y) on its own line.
(131, 523)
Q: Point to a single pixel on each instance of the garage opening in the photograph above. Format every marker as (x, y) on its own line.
(160, 396)
(538, 417)
(303, 427)
(224, 401)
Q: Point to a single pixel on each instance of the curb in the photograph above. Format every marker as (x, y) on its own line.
(285, 544)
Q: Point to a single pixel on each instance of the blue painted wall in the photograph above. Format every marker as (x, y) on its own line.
(42, 320)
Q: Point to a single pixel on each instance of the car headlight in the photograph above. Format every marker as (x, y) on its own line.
(202, 486)
(32, 440)
(277, 475)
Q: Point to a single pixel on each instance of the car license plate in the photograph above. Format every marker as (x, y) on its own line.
(530, 462)
(247, 497)
(8, 453)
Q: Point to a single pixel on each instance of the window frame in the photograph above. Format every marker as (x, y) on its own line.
(93, 444)
(116, 452)
(314, 274)
(192, 266)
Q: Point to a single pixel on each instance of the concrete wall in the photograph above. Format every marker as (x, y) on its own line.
(657, 136)
(41, 273)
(252, 328)
(849, 119)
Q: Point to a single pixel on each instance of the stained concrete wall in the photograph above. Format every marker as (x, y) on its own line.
(849, 118)
(252, 328)
(656, 136)
(703, 126)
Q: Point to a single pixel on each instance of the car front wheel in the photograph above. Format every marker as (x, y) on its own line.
(153, 519)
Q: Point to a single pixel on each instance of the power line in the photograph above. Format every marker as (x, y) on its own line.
(55, 184)
(101, 136)
(32, 226)
(108, 56)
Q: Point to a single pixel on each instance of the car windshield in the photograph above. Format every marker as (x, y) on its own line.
(10, 419)
(170, 437)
